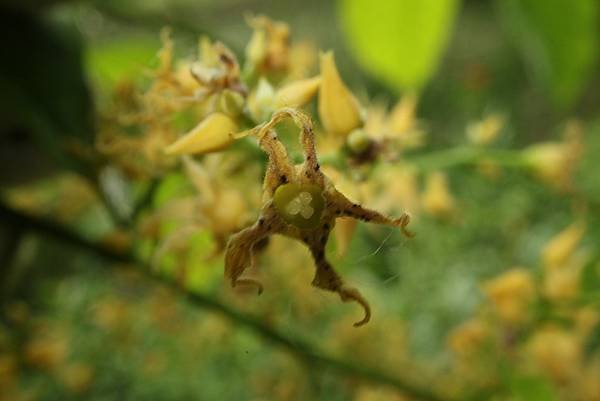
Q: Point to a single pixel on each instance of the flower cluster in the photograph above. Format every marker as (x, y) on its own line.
(232, 113)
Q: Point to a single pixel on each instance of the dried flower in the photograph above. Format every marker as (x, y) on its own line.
(299, 202)
(268, 49)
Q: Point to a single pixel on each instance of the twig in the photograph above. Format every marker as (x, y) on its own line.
(295, 345)
(465, 155)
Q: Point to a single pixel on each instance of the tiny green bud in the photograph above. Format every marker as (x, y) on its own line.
(300, 205)
(358, 141)
(231, 103)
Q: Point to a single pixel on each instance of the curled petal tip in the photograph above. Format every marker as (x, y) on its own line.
(402, 222)
(352, 294)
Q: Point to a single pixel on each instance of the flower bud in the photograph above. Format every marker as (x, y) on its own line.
(214, 133)
(358, 141)
(339, 110)
(298, 93)
(261, 102)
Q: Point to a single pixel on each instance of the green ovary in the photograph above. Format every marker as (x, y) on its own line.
(301, 206)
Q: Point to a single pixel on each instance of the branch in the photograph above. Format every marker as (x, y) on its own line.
(465, 155)
(297, 346)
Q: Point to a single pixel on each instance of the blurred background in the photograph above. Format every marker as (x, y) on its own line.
(112, 286)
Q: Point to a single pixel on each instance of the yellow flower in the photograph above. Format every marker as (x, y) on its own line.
(485, 131)
(77, 377)
(8, 372)
(303, 59)
(468, 338)
(586, 320)
(339, 110)
(555, 162)
(261, 102)
(402, 117)
(562, 284)
(588, 383)
(298, 93)
(437, 199)
(511, 294)
(216, 70)
(562, 266)
(561, 247)
(214, 133)
(46, 351)
(395, 188)
(268, 49)
(555, 351)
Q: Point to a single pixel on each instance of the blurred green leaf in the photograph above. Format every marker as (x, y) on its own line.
(531, 388)
(590, 277)
(31, 5)
(121, 59)
(559, 41)
(592, 344)
(42, 84)
(399, 42)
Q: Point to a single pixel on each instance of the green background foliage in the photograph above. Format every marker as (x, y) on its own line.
(399, 41)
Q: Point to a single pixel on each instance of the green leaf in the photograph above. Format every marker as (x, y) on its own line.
(124, 58)
(43, 90)
(592, 343)
(590, 278)
(559, 42)
(531, 388)
(399, 42)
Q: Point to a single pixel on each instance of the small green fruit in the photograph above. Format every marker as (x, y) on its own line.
(300, 205)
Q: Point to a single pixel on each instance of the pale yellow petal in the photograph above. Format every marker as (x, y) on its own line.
(437, 200)
(298, 93)
(339, 110)
(214, 133)
(403, 116)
